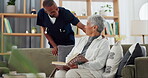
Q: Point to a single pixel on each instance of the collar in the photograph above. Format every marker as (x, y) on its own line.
(52, 19)
(100, 37)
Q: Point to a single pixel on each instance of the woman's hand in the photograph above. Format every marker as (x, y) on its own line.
(72, 65)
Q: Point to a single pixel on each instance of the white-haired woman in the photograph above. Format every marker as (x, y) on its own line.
(94, 48)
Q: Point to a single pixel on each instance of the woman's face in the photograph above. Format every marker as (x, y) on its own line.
(89, 28)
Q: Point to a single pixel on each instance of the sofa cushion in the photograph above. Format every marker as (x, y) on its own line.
(128, 59)
(128, 71)
(27, 59)
(143, 48)
(114, 58)
(141, 67)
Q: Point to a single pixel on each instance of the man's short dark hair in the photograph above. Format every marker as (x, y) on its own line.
(48, 3)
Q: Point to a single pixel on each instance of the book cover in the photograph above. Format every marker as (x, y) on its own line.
(109, 28)
(112, 28)
(7, 25)
(105, 31)
(117, 28)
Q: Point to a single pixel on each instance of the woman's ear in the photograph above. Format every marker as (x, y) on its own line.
(95, 27)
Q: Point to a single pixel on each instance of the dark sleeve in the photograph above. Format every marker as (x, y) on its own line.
(40, 18)
(70, 17)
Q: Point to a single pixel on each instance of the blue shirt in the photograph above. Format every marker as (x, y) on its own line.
(61, 30)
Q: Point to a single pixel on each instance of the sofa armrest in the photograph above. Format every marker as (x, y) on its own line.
(141, 66)
(4, 70)
(128, 71)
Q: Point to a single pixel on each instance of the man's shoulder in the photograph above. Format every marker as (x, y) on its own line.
(41, 11)
(63, 10)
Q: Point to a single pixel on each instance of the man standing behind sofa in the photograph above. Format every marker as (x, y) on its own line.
(93, 49)
(55, 22)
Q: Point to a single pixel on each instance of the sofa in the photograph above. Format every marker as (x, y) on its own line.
(41, 59)
(28, 60)
(140, 69)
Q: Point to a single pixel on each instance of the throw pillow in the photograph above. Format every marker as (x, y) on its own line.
(114, 58)
(135, 52)
(63, 51)
(143, 48)
(129, 57)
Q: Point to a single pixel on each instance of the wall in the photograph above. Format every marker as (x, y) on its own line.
(129, 10)
(1, 10)
(1, 6)
(137, 5)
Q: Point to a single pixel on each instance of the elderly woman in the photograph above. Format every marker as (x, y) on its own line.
(93, 48)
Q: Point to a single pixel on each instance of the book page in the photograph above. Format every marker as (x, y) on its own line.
(63, 63)
(70, 58)
(58, 63)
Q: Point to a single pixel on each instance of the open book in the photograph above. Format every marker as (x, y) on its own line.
(76, 58)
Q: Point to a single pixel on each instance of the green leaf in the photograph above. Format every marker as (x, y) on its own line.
(110, 7)
(105, 11)
(11, 2)
(109, 10)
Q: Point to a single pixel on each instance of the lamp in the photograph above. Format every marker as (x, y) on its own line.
(139, 28)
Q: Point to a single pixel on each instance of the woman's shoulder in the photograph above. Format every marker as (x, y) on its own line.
(105, 41)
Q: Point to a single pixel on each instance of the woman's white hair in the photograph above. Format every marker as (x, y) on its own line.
(97, 20)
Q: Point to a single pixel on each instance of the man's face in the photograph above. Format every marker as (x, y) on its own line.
(53, 11)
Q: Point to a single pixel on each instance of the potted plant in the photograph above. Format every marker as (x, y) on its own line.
(105, 10)
(11, 6)
(33, 30)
